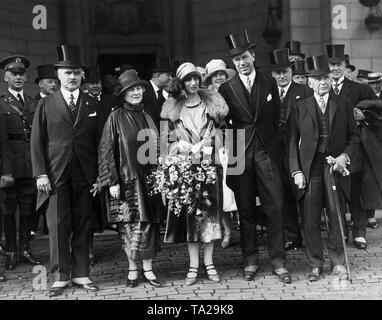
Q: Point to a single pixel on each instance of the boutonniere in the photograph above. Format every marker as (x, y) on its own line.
(10, 99)
(87, 103)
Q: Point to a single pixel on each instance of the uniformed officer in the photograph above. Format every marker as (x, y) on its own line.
(18, 109)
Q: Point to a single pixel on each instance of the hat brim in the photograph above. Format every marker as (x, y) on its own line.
(374, 80)
(302, 55)
(278, 66)
(318, 73)
(92, 80)
(133, 84)
(161, 70)
(230, 73)
(36, 81)
(240, 49)
(69, 64)
(336, 60)
(300, 73)
(16, 69)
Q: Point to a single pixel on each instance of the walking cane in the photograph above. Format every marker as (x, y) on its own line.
(337, 205)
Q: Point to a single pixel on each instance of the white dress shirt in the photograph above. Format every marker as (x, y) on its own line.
(340, 81)
(66, 94)
(164, 92)
(285, 89)
(244, 78)
(15, 93)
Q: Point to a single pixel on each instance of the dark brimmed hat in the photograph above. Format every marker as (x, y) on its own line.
(92, 75)
(162, 65)
(374, 77)
(363, 74)
(348, 65)
(317, 65)
(129, 79)
(16, 63)
(294, 48)
(69, 56)
(45, 71)
(235, 46)
(279, 59)
(298, 67)
(336, 53)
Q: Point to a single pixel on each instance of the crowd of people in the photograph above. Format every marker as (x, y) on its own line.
(72, 154)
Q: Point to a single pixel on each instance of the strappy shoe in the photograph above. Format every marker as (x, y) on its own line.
(211, 272)
(132, 283)
(191, 280)
(153, 282)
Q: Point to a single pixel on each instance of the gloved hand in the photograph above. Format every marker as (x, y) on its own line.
(115, 191)
(43, 184)
(6, 181)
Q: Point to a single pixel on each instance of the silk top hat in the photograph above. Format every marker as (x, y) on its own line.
(129, 79)
(236, 45)
(362, 74)
(92, 75)
(298, 67)
(45, 71)
(16, 63)
(279, 59)
(348, 65)
(294, 48)
(69, 56)
(374, 77)
(336, 53)
(162, 65)
(318, 65)
(216, 65)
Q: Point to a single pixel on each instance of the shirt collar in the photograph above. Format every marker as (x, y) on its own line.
(340, 80)
(317, 97)
(155, 88)
(285, 88)
(67, 94)
(15, 93)
(42, 95)
(252, 77)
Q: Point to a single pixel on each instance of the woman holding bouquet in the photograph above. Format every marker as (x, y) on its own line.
(193, 116)
(123, 172)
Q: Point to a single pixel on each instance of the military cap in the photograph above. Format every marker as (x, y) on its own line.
(15, 63)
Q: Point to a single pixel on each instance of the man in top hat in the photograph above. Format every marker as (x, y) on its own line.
(66, 130)
(295, 53)
(375, 82)
(156, 94)
(289, 92)
(299, 72)
(254, 104)
(356, 93)
(46, 80)
(20, 190)
(323, 133)
(349, 70)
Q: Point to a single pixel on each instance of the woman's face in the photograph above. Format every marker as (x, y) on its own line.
(218, 78)
(191, 84)
(134, 95)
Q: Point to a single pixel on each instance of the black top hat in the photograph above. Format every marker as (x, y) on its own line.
(121, 69)
(69, 56)
(363, 73)
(294, 48)
(92, 75)
(336, 53)
(279, 59)
(45, 71)
(162, 65)
(235, 46)
(298, 67)
(129, 79)
(16, 63)
(317, 65)
(348, 65)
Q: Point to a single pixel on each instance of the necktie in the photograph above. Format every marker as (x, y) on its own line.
(72, 106)
(282, 92)
(161, 98)
(249, 86)
(335, 88)
(20, 98)
(322, 105)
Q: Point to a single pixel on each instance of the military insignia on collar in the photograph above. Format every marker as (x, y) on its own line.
(18, 60)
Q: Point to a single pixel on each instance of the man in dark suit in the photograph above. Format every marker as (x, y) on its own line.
(156, 94)
(65, 137)
(323, 130)
(290, 92)
(254, 104)
(355, 92)
(18, 109)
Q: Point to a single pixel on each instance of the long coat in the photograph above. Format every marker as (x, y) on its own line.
(152, 104)
(55, 137)
(344, 136)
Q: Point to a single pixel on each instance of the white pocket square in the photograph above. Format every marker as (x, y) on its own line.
(93, 114)
(269, 98)
(298, 97)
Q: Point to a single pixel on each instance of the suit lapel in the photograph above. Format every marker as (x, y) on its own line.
(346, 87)
(238, 92)
(82, 108)
(260, 94)
(311, 107)
(332, 109)
(62, 107)
(12, 100)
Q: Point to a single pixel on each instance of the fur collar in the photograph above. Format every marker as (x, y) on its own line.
(217, 108)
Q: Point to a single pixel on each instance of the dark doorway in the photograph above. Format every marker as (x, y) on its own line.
(142, 62)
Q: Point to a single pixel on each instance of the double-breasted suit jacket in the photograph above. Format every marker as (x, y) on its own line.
(344, 136)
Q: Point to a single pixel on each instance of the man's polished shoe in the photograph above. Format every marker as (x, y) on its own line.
(373, 225)
(27, 256)
(250, 275)
(86, 286)
(283, 275)
(56, 291)
(11, 261)
(2, 277)
(314, 274)
(292, 245)
(153, 282)
(360, 244)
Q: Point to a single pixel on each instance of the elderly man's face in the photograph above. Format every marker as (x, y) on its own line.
(48, 86)
(283, 77)
(300, 78)
(320, 85)
(376, 86)
(164, 80)
(244, 62)
(70, 78)
(337, 69)
(15, 79)
(94, 88)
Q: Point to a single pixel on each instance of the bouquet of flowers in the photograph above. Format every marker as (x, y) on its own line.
(184, 183)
